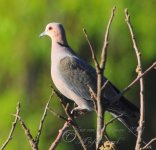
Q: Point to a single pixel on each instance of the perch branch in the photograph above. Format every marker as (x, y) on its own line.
(139, 71)
(12, 128)
(71, 120)
(75, 127)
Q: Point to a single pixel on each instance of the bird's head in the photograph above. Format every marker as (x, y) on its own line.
(55, 31)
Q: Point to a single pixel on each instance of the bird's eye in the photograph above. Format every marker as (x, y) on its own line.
(50, 28)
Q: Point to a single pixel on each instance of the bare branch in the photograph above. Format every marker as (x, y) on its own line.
(149, 143)
(108, 123)
(139, 71)
(104, 50)
(58, 138)
(116, 98)
(42, 120)
(75, 127)
(71, 119)
(100, 109)
(112, 120)
(138, 78)
(100, 87)
(12, 128)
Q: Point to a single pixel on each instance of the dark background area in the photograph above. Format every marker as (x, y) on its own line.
(25, 62)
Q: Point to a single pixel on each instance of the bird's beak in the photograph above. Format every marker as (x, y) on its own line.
(42, 34)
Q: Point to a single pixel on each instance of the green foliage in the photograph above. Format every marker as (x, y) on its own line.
(25, 59)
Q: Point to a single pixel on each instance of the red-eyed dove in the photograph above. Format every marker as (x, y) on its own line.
(72, 76)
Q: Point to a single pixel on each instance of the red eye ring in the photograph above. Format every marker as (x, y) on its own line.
(50, 28)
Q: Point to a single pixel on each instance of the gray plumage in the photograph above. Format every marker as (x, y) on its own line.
(72, 77)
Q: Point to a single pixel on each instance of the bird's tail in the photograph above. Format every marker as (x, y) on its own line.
(129, 114)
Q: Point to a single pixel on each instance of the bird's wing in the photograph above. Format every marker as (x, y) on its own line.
(78, 76)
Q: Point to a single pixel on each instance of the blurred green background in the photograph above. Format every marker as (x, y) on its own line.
(25, 62)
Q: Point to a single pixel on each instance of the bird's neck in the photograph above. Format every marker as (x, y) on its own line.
(59, 50)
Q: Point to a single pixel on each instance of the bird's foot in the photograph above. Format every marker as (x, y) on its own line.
(77, 111)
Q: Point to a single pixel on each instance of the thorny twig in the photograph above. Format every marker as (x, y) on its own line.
(12, 128)
(139, 71)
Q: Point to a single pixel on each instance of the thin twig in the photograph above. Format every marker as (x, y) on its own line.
(111, 121)
(93, 97)
(149, 143)
(91, 49)
(58, 138)
(150, 68)
(42, 120)
(29, 136)
(139, 77)
(56, 114)
(104, 49)
(139, 71)
(12, 128)
(78, 134)
(107, 124)
(100, 108)
(104, 85)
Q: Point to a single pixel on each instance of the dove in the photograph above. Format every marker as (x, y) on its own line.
(72, 76)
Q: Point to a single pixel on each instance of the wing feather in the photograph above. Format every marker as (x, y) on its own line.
(78, 75)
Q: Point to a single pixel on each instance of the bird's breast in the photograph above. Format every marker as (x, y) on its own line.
(59, 82)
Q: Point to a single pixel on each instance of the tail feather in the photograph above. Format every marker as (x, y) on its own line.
(130, 113)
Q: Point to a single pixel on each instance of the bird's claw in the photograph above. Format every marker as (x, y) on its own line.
(77, 111)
